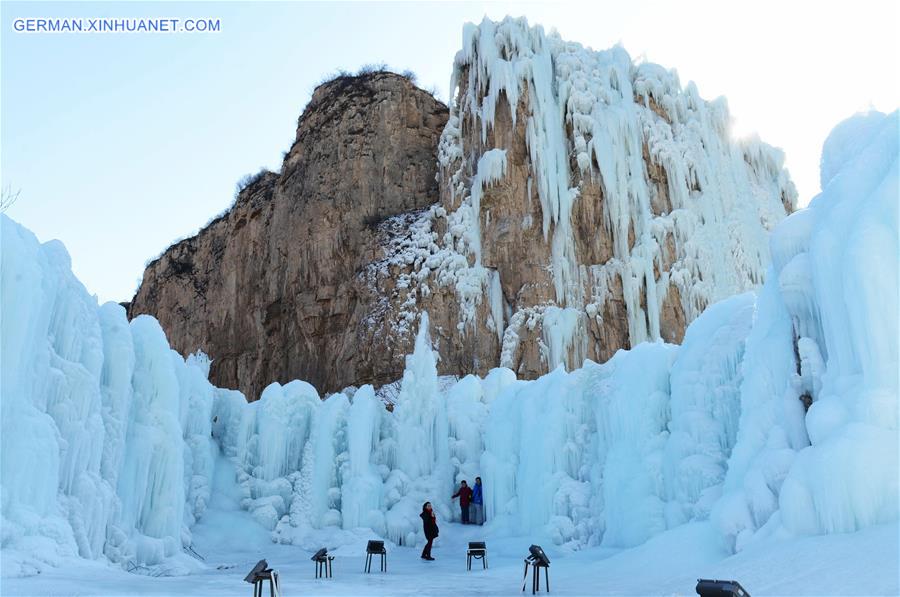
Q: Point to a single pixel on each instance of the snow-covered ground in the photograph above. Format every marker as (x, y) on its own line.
(862, 563)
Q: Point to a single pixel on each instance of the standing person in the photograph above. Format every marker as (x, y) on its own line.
(477, 503)
(429, 525)
(465, 496)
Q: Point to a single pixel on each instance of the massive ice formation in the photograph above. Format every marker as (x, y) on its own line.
(305, 463)
(825, 330)
(106, 446)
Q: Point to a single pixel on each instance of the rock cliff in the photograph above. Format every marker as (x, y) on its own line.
(569, 203)
(272, 289)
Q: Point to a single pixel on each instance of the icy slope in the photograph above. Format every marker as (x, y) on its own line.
(106, 445)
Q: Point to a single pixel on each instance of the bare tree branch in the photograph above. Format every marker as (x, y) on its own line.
(8, 197)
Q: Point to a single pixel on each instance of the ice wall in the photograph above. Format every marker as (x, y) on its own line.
(577, 458)
(106, 447)
(576, 455)
(617, 452)
(705, 407)
(826, 331)
(306, 464)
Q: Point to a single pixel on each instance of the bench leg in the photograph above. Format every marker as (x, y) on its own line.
(525, 578)
(547, 577)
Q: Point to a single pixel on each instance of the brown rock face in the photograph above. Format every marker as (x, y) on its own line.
(274, 289)
(569, 204)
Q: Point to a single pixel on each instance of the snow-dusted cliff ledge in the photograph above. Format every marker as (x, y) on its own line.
(108, 436)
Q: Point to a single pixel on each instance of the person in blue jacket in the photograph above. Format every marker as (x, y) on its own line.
(477, 503)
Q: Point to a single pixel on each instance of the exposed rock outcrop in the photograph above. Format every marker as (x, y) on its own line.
(271, 290)
(583, 203)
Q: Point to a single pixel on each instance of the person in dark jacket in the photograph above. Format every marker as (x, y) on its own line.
(429, 525)
(477, 502)
(465, 496)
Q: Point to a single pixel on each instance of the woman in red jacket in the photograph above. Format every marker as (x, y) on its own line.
(429, 524)
(465, 496)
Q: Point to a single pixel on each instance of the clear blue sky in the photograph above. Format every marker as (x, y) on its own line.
(121, 143)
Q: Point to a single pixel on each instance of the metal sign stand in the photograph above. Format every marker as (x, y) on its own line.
(537, 559)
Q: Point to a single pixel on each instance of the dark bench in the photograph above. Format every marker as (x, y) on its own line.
(478, 551)
(374, 548)
(720, 588)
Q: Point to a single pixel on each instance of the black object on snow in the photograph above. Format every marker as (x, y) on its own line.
(537, 559)
(720, 588)
(375, 548)
(538, 554)
(258, 575)
(477, 550)
(256, 572)
(323, 563)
